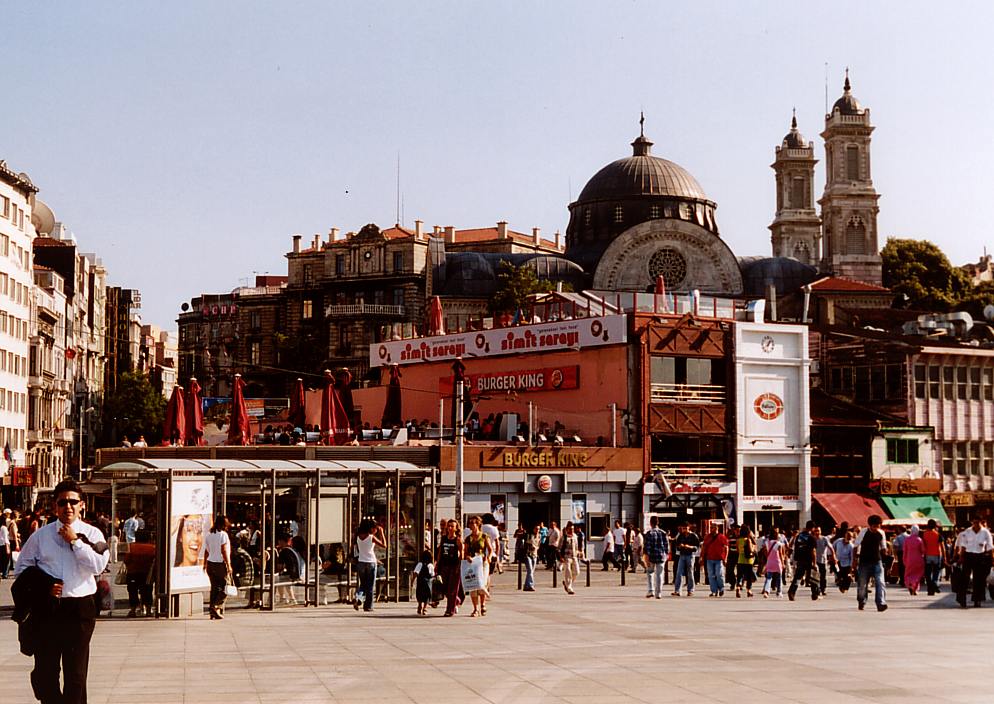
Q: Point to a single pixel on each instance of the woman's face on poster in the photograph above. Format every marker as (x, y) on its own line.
(191, 539)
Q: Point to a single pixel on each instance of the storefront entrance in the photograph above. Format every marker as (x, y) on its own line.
(531, 511)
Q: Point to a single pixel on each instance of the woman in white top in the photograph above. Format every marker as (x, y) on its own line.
(367, 538)
(217, 563)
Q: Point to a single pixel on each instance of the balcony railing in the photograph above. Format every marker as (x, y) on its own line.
(357, 309)
(687, 393)
(691, 470)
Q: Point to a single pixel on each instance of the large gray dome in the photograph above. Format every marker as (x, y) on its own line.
(641, 175)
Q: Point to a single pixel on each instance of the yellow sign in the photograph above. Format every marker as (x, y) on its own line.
(544, 459)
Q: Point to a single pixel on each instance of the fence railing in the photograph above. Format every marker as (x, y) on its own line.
(687, 393)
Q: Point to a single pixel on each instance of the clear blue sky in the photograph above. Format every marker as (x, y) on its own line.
(184, 142)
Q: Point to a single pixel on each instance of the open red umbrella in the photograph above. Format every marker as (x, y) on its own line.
(297, 405)
(436, 318)
(174, 425)
(239, 432)
(194, 409)
(334, 421)
(392, 413)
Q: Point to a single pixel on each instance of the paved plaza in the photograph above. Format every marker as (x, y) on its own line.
(605, 644)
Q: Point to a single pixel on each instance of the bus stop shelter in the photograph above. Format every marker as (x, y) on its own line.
(330, 498)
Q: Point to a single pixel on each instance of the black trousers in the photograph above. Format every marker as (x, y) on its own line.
(977, 566)
(217, 573)
(803, 571)
(139, 590)
(64, 643)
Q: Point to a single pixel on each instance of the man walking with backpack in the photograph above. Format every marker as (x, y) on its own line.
(871, 545)
(804, 559)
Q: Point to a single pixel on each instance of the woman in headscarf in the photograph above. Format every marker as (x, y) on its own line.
(914, 561)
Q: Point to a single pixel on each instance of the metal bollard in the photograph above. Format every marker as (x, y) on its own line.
(519, 575)
(555, 575)
(624, 569)
(588, 572)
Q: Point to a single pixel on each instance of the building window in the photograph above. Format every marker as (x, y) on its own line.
(654, 212)
(619, 214)
(344, 339)
(933, 382)
(255, 321)
(852, 163)
(255, 353)
(378, 296)
(308, 309)
(974, 457)
(948, 388)
(919, 381)
(987, 382)
(961, 457)
(398, 261)
(974, 383)
(339, 264)
(947, 458)
(586, 216)
(902, 451)
(988, 459)
(961, 375)
(797, 199)
(398, 296)
(855, 236)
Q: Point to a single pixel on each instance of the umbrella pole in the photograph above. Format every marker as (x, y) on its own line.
(272, 525)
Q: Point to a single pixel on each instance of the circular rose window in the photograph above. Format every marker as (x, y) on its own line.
(669, 264)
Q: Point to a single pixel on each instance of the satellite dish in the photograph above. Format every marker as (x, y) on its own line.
(989, 312)
(185, 307)
(42, 218)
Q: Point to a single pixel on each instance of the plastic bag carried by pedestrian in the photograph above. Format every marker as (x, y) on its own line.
(105, 595)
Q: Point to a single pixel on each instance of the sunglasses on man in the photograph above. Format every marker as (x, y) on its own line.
(62, 503)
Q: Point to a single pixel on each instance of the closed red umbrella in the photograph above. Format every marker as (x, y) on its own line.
(660, 290)
(194, 411)
(334, 420)
(297, 405)
(343, 387)
(239, 432)
(392, 410)
(174, 425)
(436, 318)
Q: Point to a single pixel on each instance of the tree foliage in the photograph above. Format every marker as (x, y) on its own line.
(919, 270)
(514, 285)
(134, 408)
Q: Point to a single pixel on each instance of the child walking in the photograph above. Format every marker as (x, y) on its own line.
(424, 573)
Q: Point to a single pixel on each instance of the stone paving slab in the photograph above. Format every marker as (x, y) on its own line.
(605, 644)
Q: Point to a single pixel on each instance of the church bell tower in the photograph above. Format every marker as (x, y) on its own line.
(796, 228)
(849, 204)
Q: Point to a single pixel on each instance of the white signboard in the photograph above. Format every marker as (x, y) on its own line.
(190, 516)
(542, 337)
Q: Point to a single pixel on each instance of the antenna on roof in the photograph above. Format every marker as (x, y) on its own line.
(398, 187)
(826, 87)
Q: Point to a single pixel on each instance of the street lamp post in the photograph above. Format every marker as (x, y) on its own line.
(459, 451)
(81, 448)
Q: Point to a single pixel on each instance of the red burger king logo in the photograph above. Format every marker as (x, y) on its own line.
(544, 483)
(768, 406)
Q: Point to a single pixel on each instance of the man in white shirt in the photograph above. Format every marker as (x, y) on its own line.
(973, 548)
(130, 527)
(71, 552)
(552, 554)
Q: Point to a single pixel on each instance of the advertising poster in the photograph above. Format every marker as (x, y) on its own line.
(579, 512)
(190, 517)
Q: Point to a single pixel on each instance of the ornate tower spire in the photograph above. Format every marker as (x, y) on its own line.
(796, 227)
(642, 146)
(849, 203)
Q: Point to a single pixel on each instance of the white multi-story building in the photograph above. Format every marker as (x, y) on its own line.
(16, 234)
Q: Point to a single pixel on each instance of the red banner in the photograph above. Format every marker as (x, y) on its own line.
(547, 379)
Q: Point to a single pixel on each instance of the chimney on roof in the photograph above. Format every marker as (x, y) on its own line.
(418, 224)
(334, 234)
(450, 234)
(296, 243)
(317, 242)
(536, 236)
(558, 236)
(502, 230)
(436, 230)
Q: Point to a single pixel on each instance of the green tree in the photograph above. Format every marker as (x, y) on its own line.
(978, 298)
(514, 285)
(919, 270)
(134, 408)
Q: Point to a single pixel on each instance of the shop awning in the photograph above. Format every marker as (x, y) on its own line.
(850, 508)
(916, 509)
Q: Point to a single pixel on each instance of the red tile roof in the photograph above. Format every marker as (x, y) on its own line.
(487, 234)
(397, 232)
(838, 284)
(49, 242)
